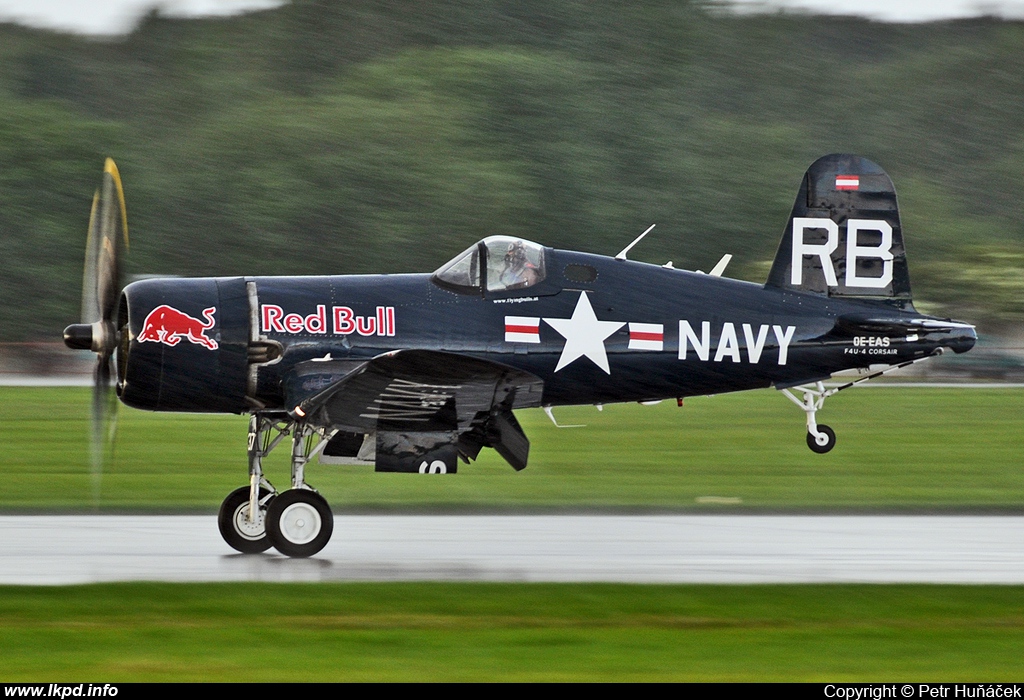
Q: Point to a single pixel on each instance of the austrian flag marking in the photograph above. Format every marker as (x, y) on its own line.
(647, 336)
(847, 182)
(522, 329)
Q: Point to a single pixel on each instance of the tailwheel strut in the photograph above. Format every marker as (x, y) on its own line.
(820, 438)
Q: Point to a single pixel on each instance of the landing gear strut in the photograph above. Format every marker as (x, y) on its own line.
(820, 438)
(297, 522)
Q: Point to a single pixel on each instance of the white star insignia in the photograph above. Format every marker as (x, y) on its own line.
(584, 335)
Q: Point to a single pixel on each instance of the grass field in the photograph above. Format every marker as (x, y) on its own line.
(899, 449)
(498, 632)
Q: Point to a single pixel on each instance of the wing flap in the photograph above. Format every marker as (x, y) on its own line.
(508, 439)
(421, 392)
(408, 389)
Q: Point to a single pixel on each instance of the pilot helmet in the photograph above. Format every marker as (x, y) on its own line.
(516, 252)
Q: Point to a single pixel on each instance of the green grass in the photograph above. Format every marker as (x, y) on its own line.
(898, 449)
(504, 632)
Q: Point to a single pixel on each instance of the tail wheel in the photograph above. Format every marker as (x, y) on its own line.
(299, 523)
(245, 535)
(822, 445)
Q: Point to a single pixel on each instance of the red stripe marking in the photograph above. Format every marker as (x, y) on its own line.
(638, 335)
(522, 329)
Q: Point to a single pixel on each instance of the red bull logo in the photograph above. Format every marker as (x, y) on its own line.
(275, 320)
(167, 325)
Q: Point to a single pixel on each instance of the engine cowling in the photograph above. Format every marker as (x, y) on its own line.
(183, 345)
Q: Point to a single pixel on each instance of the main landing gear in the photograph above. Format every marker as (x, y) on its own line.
(297, 522)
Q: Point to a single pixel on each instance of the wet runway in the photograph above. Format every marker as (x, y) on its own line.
(640, 549)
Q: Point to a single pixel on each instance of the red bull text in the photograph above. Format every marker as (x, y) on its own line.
(344, 321)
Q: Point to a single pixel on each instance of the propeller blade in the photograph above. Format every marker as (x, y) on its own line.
(90, 306)
(113, 226)
(101, 289)
(100, 413)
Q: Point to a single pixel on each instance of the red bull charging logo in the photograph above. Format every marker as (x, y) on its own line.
(167, 325)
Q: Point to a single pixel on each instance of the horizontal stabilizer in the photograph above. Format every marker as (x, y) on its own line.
(958, 337)
(855, 324)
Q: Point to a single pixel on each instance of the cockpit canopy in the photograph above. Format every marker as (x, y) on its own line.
(497, 264)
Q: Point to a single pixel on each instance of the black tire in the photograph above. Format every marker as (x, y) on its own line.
(822, 449)
(299, 523)
(234, 526)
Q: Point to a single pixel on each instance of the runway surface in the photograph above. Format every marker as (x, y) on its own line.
(637, 549)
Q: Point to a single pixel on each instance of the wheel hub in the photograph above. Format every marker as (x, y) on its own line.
(300, 523)
(250, 530)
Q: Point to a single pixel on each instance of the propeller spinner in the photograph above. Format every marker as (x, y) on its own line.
(101, 288)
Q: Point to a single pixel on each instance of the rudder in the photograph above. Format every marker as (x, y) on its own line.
(844, 236)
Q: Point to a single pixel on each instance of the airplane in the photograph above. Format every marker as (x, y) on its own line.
(417, 372)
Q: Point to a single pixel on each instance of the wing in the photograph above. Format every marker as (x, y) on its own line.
(424, 397)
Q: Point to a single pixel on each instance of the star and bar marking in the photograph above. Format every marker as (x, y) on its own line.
(585, 336)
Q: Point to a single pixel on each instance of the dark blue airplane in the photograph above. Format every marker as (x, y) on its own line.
(413, 373)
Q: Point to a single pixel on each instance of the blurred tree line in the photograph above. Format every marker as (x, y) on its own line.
(381, 136)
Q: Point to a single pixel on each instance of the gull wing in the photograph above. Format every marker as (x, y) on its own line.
(421, 391)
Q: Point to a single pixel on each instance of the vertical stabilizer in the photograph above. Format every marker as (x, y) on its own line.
(844, 236)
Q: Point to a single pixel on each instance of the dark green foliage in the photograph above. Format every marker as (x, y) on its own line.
(326, 137)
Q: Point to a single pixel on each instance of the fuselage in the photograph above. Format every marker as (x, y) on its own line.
(596, 330)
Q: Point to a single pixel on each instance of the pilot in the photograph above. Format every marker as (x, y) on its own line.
(519, 271)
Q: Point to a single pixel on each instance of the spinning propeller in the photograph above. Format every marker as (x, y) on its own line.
(101, 289)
